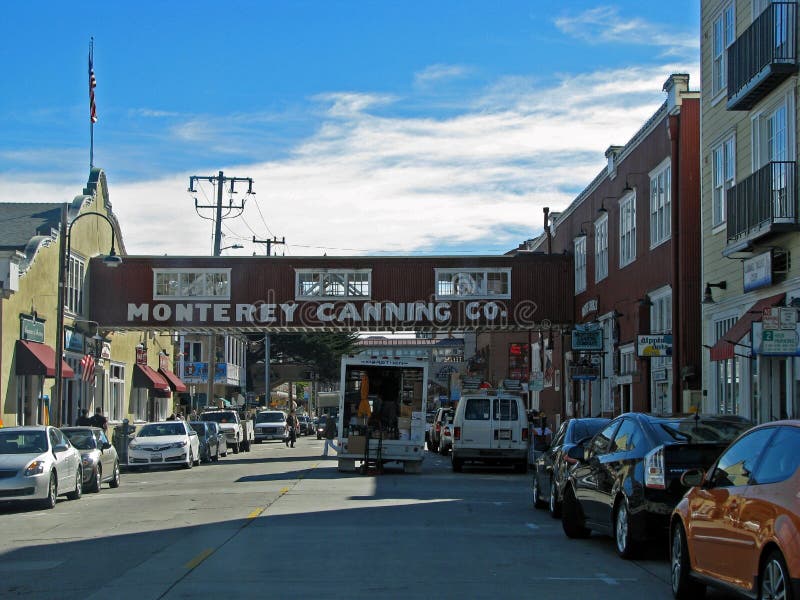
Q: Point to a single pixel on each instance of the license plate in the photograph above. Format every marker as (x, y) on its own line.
(504, 434)
(155, 457)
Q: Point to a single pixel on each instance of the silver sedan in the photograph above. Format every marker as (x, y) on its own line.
(38, 463)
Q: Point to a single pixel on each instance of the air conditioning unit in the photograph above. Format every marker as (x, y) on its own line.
(692, 401)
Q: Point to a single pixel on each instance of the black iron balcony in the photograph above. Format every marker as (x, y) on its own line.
(763, 56)
(764, 203)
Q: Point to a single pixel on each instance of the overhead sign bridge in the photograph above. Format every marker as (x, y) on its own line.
(252, 294)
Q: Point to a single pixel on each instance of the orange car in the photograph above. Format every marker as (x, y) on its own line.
(739, 526)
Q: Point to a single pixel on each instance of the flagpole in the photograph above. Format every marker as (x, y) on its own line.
(91, 103)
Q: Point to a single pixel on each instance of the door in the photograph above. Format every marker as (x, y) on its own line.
(715, 528)
(549, 459)
(476, 431)
(106, 456)
(613, 467)
(506, 432)
(587, 472)
(65, 465)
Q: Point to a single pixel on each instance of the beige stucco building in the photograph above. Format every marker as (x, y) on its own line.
(131, 374)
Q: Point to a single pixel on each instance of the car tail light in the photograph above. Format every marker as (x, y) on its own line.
(446, 431)
(457, 433)
(524, 434)
(438, 427)
(654, 473)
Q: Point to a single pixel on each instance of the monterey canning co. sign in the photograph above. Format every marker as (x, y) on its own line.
(353, 293)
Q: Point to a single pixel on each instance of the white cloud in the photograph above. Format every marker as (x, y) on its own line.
(604, 24)
(373, 182)
(439, 72)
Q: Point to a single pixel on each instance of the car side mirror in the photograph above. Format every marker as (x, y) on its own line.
(577, 453)
(692, 477)
(60, 448)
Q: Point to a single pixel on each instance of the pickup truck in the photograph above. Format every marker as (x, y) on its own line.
(239, 433)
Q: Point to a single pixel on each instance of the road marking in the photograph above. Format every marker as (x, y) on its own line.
(599, 577)
(283, 491)
(531, 526)
(256, 512)
(199, 558)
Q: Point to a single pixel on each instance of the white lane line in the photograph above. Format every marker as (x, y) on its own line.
(602, 577)
(531, 526)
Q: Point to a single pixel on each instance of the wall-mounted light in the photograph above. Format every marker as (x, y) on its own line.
(707, 297)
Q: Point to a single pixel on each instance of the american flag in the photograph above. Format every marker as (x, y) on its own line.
(92, 85)
(87, 364)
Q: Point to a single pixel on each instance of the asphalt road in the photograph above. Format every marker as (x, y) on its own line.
(282, 522)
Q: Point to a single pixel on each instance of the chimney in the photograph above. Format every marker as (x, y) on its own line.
(675, 86)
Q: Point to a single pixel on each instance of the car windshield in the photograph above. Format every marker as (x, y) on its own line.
(587, 428)
(270, 417)
(82, 439)
(27, 442)
(219, 417)
(702, 430)
(161, 429)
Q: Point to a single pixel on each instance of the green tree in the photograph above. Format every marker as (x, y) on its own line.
(322, 350)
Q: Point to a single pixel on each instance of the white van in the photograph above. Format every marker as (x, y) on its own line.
(490, 429)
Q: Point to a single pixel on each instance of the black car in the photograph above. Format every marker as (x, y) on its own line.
(208, 433)
(552, 465)
(627, 478)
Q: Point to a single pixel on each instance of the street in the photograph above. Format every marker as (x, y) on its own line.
(283, 522)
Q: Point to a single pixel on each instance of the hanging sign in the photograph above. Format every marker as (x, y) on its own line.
(589, 337)
(757, 271)
(654, 345)
(31, 330)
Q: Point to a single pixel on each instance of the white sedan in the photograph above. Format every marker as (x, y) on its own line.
(165, 443)
(38, 463)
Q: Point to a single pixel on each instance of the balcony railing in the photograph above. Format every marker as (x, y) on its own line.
(764, 203)
(763, 56)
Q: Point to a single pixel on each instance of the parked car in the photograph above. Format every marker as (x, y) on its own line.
(321, 426)
(738, 527)
(446, 435)
(552, 464)
(439, 420)
(208, 434)
(490, 429)
(165, 442)
(38, 463)
(270, 425)
(429, 417)
(306, 426)
(98, 457)
(627, 479)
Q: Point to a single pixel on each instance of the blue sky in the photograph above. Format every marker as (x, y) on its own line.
(382, 127)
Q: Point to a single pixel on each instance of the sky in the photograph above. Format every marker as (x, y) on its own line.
(368, 127)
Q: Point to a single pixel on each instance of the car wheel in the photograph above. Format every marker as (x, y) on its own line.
(623, 532)
(553, 504)
(536, 496)
(683, 586)
(458, 464)
(114, 483)
(774, 579)
(572, 520)
(224, 454)
(52, 492)
(190, 462)
(216, 455)
(78, 492)
(197, 462)
(98, 479)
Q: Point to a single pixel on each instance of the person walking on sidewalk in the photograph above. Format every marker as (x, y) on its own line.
(330, 435)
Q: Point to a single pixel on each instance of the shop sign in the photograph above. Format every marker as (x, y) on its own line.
(588, 338)
(31, 330)
(163, 362)
(771, 319)
(654, 345)
(779, 342)
(141, 355)
(105, 351)
(537, 381)
(589, 307)
(659, 375)
(757, 271)
(73, 340)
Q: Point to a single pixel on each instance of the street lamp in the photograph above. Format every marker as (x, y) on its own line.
(111, 260)
(234, 247)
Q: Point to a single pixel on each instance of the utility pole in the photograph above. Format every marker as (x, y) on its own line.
(269, 243)
(219, 180)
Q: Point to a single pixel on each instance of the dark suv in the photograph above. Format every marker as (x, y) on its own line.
(627, 478)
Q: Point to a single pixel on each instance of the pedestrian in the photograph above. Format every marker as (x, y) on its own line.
(291, 428)
(98, 420)
(330, 435)
(84, 419)
(193, 416)
(171, 417)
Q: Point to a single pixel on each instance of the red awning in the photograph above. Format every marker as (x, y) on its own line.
(723, 349)
(173, 380)
(39, 359)
(144, 376)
